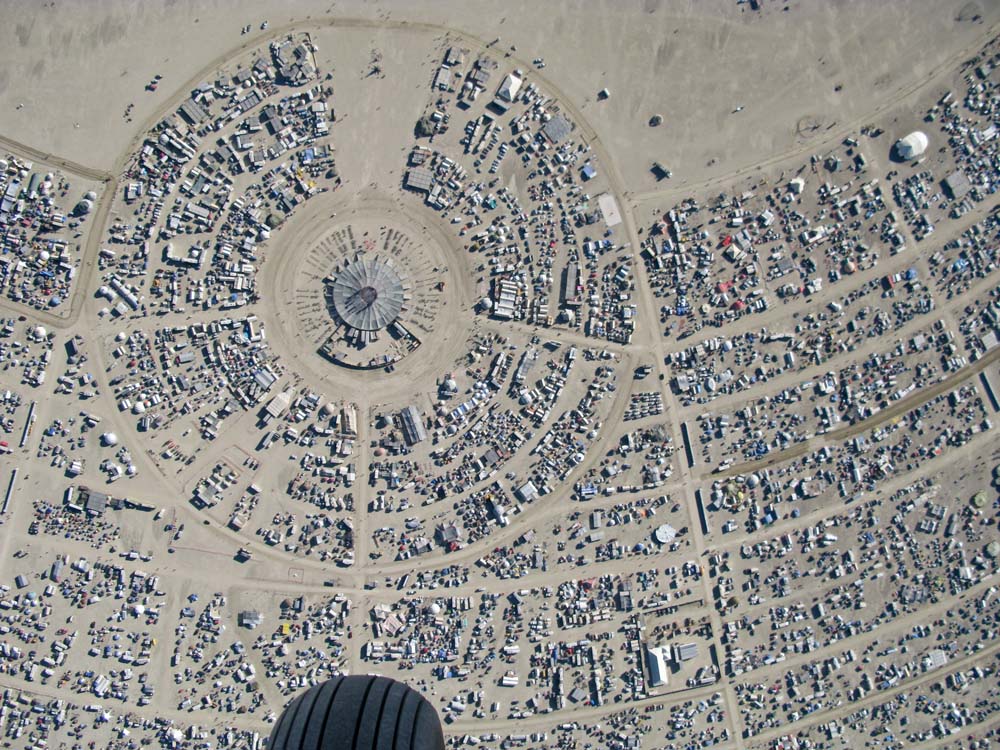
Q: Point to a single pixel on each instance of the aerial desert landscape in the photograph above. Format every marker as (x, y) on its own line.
(615, 375)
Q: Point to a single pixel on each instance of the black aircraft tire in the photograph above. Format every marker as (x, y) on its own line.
(360, 712)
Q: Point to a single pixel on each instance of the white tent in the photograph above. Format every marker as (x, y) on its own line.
(911, 146)
(509, 88)
(656, 659)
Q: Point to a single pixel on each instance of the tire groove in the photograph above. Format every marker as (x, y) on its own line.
(378, 733)
(399, 720)
(312, 708)
(361, 712)
(329, 712)
(378, 719)
(416, 719)
(287, 719)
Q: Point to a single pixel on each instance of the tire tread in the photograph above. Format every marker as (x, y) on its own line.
(360, 712)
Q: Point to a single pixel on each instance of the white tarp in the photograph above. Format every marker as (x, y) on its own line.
(609, 209)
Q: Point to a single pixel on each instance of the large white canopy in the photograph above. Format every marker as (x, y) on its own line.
(912, 145)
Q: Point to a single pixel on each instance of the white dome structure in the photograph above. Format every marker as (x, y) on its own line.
(911, 146)
(109, 438)
(40, 332)
(665, 534)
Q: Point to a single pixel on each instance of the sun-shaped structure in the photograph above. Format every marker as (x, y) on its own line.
(381, 295)
(368, 293)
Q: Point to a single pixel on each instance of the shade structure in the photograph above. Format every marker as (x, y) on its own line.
(911, 146)
(368, 293)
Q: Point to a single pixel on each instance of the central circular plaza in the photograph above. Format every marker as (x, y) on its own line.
(368, 293)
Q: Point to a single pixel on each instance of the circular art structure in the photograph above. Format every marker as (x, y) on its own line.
(368, 293)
